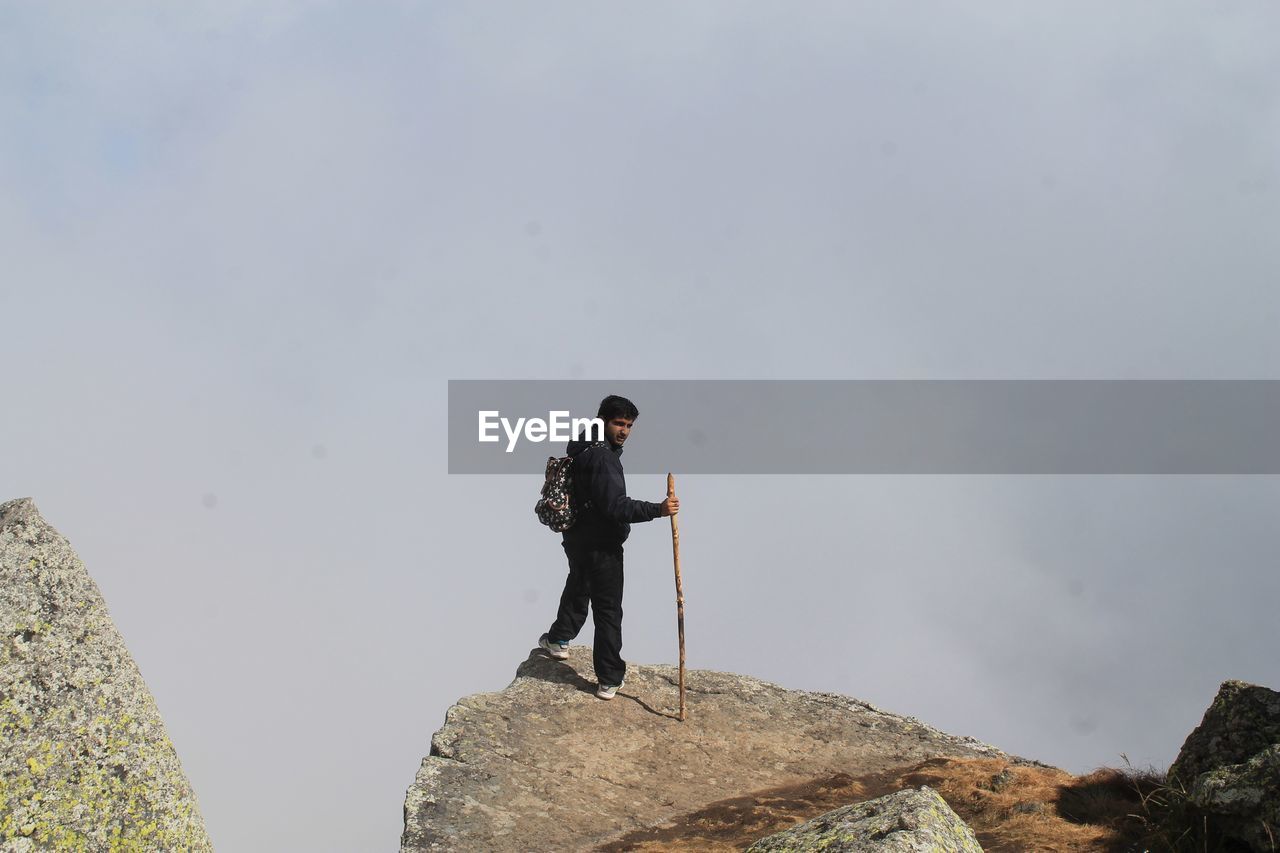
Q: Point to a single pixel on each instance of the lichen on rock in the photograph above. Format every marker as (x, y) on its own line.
(1230, 764)
(907, 821)
(85, 760)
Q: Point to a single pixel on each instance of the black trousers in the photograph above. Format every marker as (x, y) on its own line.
(595, 578)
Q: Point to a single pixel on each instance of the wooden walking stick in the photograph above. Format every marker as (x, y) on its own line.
(675, 550)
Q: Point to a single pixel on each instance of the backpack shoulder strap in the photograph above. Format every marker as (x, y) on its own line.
(593, 446)
(586, 503)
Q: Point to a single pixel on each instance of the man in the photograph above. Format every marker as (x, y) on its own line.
(594, 546)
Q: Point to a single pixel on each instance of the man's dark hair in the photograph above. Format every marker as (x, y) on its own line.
(614, 406)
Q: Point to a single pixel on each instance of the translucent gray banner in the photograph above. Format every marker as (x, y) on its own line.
(702, 426)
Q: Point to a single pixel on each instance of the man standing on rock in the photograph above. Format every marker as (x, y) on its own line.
(594, 545)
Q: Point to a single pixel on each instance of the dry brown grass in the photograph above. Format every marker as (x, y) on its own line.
(1011, 808)
(1020, 815)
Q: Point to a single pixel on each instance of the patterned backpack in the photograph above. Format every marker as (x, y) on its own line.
(556, 507)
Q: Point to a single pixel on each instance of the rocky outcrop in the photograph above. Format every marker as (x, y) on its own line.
(86, 763)
(1246, 798)
(1230, 764)
(545, 765)
(1242, 720)
(907, 821)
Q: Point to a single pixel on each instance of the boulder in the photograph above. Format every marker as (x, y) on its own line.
(1230, 764)
(1242, 720)
(545, 765)
(905, 821)
(1245, 798)
(86, 763)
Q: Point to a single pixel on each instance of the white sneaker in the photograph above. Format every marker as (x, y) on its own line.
(559, 651)
(608, 691)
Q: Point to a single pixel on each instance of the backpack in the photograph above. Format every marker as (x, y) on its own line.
(556, 508)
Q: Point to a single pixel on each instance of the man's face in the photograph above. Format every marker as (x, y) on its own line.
(617, 429)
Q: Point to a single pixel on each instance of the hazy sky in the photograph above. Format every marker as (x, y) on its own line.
(245, 245)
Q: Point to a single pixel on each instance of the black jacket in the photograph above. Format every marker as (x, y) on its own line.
(605, 513)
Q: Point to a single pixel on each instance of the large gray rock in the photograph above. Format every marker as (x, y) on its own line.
(85, 762)
(1243, 720)
(1245, 798)
(908, 821)
(1230, 764)
(545, 765)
